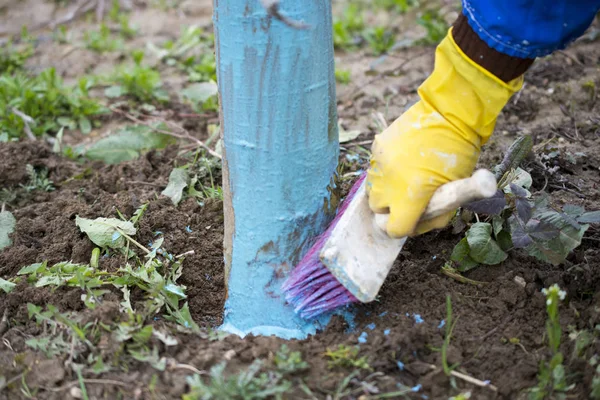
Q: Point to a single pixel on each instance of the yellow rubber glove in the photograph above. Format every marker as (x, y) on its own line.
(436, 141)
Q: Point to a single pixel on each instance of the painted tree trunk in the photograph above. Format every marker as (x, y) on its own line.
(280, 151)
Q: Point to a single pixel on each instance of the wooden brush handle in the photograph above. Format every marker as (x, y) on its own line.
(482, 184)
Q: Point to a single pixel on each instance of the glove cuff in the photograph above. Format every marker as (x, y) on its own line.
(467, 95)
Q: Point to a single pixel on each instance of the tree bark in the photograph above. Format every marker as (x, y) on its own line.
(280, 151)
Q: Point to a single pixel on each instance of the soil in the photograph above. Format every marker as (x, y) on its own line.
(500, 333)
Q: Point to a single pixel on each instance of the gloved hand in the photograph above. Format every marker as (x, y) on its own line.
(436, 141)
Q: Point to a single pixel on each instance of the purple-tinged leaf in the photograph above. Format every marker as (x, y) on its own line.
(520, 238)
(490, 206)
(523, 209)
(518, 191)
(541, 230)
(592, 217)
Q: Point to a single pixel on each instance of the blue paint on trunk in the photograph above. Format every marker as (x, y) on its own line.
(279, 129)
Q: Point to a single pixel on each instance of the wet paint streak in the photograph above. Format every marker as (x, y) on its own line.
(279, 130)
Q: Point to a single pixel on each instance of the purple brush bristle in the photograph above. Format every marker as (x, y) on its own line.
(311, 289)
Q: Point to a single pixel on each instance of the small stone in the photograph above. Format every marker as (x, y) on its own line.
(75, 393)
(520, 281)
(229, 354)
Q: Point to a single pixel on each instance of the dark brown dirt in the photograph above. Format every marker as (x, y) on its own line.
(500, 334)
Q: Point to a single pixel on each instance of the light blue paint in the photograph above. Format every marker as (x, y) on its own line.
(279, 130)
(417, 388)
(386, 332)
(418, 319)
(188, 229)
(383, 314)
(363, 337)
(400, 365)
(442, 323)
(371, 326)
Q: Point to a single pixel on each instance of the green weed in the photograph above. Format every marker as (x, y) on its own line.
(400, 6)
(38, 180)
(347, 29)
(380, 40)
(342, 76)
(102, 40)
(155, 274)
(516, 220)
(142, 83)
(435, 25)
(13, 58)
(43, 104)
(450, 324)
(346, 357)
(552, 382)
(246, 385)
(192, 52)
(289, 362)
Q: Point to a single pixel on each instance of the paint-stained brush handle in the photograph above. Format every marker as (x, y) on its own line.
(481, 185)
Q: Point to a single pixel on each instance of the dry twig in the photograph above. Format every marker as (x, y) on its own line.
(26, 121)
(185, 135)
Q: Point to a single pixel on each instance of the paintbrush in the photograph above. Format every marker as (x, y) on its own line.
(350, 260)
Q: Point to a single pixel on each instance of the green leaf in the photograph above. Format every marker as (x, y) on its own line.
(556, 249)
(104, 232)
(7, 226)
(33, 268)
(200, 92)
(592, 217)
(460, 255)
(497, 224)
(7, 286)
(347, 136)
(114, 91)
(85, 125)
(127, 144)
(483, 248)
(504, 240)
(178, 180)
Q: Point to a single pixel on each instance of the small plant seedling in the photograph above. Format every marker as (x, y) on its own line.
(102, 40)
(346, 357)
(347, 29)
(43, 104)
(450, 324)
(38, 180)
(13, 58)
(516, 220)
(400, 6)
(289, 362)
(379, 39)
(140, 82)
(342, 76)
(552, 382)
(435, 25)
(246, 385)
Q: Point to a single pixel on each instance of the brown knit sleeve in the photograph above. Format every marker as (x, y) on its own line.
(501, 65)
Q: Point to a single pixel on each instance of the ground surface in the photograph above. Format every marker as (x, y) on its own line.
(500, 334)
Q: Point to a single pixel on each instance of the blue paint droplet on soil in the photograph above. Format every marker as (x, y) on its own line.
(418, 319)
(383, 314)
(417, 388)
(371, 326)
(188, 229)
(442, 323)
(386, 332)
(157, 233)
(400, 365)
(362, 338)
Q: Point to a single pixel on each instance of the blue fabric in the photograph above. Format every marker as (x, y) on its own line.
(529, 28)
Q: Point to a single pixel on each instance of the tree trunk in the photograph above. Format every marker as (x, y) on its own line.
(280, 151)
